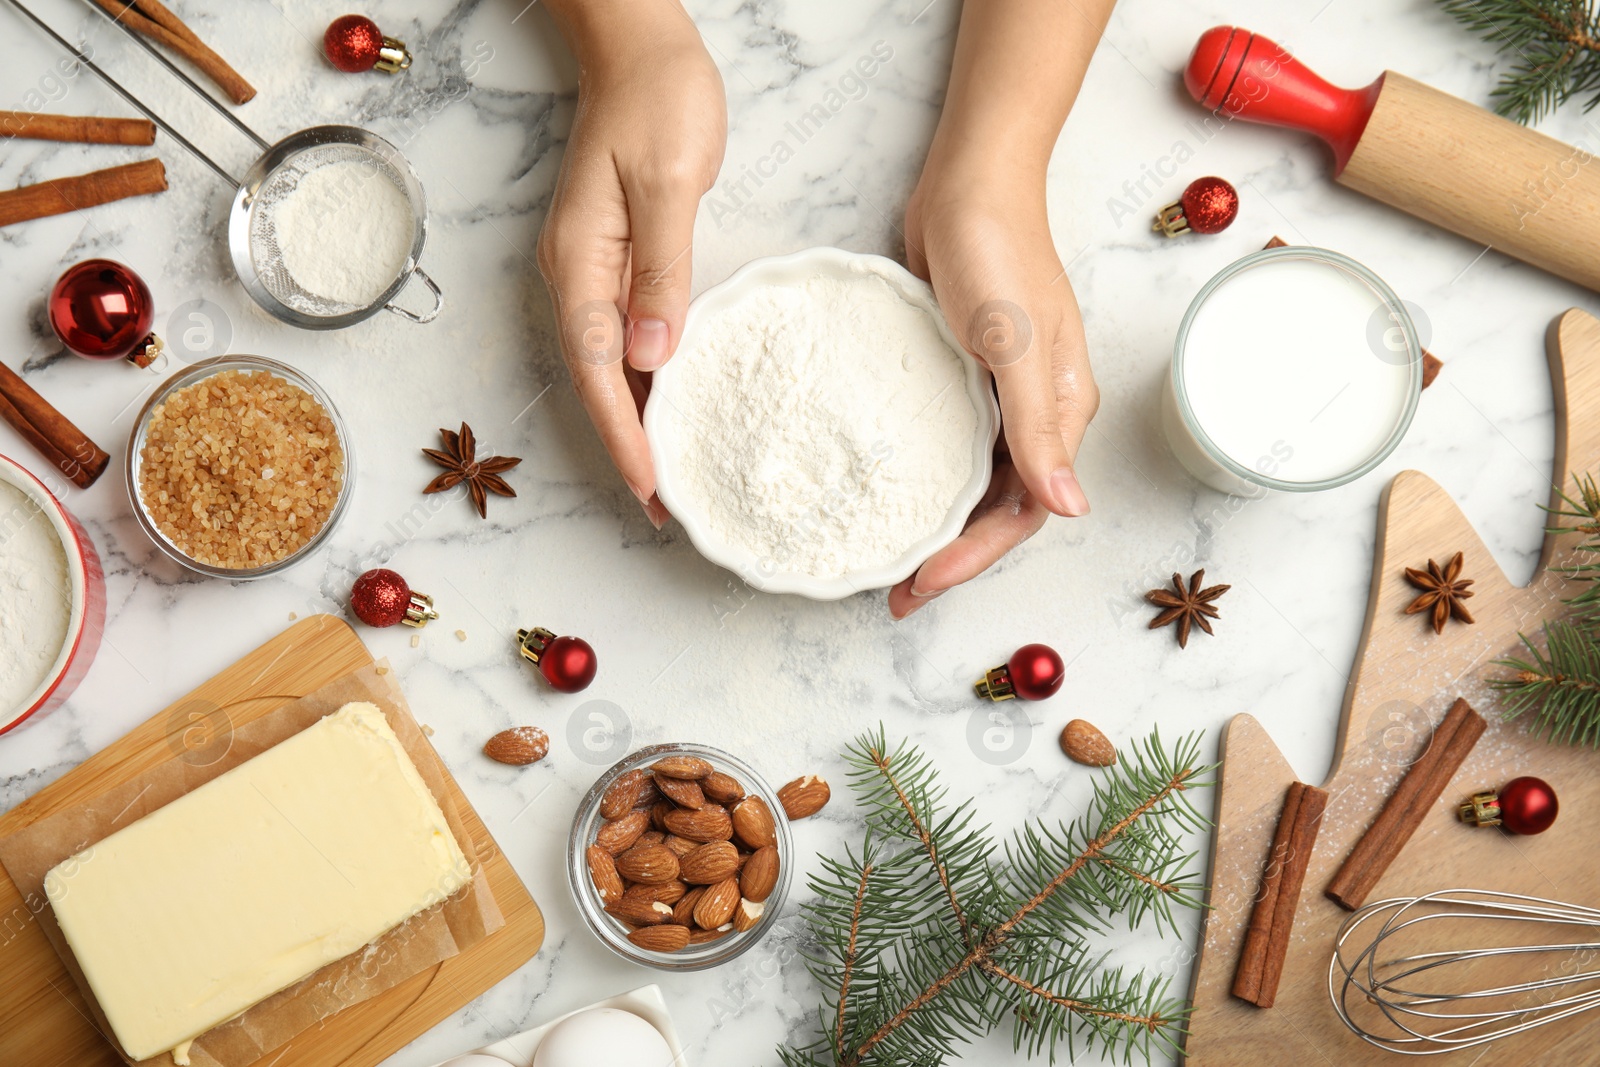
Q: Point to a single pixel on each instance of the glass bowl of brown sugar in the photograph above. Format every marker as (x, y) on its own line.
(239, 467)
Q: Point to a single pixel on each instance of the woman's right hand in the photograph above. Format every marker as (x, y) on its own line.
(646, 144)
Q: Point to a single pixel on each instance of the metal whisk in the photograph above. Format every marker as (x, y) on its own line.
(1425, 1003)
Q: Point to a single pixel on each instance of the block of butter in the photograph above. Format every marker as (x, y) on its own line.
(254, 880)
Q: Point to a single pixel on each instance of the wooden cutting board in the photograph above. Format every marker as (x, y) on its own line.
(44, 1021)
(1404, 680)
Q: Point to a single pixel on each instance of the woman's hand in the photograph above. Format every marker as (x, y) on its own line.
(981, 237)
(646, 143)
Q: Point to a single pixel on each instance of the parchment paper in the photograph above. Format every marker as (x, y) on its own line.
(434, 935)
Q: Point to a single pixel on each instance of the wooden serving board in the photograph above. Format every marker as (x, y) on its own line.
(44, 1021)
(1405, 678)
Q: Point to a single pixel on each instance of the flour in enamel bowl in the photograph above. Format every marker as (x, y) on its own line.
(35, 598)
(825, 427)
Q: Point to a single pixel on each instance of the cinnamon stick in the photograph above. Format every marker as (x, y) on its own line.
(155, 21)
(1266, 941)
(61, 195)
(1406, 807)
(67, 448)
(81, 129)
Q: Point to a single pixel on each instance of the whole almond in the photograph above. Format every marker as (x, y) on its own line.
(683, 910)
(518, 746)
(723, 788)
(621, 795)
(651, 837)
(753, 823)
(680, 845)
(700, 937)
(680, 767)
(659, 812)
(760, 874)
(710, 823)
(710, 863)
(716, 904)
(648, 864)
(747, 914)
(666, 938)
(649, 796)
(804, 797)
(682, 792)
(640, 912)
(616, 835)
(668, 893)
(1084, 743)
(603, 872)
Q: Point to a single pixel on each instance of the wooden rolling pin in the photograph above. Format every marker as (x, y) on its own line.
(1425, 152)
(67, 448)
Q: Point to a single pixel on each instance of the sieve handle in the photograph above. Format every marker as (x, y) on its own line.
(438, 299)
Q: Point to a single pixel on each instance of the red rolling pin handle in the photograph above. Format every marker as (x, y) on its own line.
(1255, 79)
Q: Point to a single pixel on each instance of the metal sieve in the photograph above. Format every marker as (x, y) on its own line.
(252, 239)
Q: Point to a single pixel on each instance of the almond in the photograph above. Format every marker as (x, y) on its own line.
(1084, 743)
(682, 792)
(518, 746)
(682, 846)
(651, 837)
(683, 910)
(639, 912)
(668, 893)
(691, 767)
(804, 797)
(710, 863)
(710, 823)
(753, 824)
(747, 914)
(648, 864)
(616, 835)
(700, 937)
(621, 795)
(716, 904)
(603, 872)
(668, 938)
(760, 874)
(723, 788)
(659, 812)
(649, 796)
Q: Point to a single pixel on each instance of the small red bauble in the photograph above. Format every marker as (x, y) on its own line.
(354, 43)
(101, 309)
(1208, 205)
(1034, 672)
(1523, 806)
(567, 663)
(382, 598)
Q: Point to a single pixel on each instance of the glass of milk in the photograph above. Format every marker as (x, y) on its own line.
(1295, 369)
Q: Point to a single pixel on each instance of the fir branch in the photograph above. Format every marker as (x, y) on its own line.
(1562, 684)
(938, 943)
(1554, 46)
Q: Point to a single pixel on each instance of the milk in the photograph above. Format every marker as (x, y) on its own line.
(1294, 369)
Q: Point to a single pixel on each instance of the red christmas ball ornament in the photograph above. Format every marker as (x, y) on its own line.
(354, 43)
(567, 663)
(382, 598)
(101, 309)
(1523, 806)
(1032, 673)
(1208, 205)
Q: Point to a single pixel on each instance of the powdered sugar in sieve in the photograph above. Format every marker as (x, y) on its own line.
(331, 229)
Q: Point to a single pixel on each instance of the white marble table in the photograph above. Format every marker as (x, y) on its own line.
(687, 652)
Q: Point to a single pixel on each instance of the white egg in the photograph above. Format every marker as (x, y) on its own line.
(477, 1059)
(603, 1037)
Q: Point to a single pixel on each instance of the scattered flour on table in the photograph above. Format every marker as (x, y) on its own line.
(35, 609)
(826, 427)
(345, 231)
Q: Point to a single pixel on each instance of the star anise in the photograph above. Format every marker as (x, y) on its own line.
(459, 459)
(1443, 590)
(1186, 607)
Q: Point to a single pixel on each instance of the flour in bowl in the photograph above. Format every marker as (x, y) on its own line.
(35, 597)
(826, 427)
(345, 232)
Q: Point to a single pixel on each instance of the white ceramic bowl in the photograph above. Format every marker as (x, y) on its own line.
(666, 390)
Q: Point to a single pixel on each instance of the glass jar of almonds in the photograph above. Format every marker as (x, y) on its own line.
(680, 857)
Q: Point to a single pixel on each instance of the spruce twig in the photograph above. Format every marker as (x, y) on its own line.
(940, 940)
(1554, 46)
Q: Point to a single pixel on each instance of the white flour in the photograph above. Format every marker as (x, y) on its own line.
(345, 232)
(35, 592)
(827, 426)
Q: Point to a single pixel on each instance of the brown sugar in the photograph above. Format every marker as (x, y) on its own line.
(241, 469)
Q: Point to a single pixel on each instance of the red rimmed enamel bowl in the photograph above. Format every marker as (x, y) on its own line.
(86, 591)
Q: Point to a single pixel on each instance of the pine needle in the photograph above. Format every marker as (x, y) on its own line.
(1553, 45)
